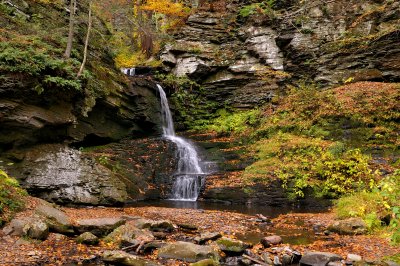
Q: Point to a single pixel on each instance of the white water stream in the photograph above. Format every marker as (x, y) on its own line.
(189, 174)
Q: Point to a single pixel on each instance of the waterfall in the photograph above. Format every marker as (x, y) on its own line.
(189, 174)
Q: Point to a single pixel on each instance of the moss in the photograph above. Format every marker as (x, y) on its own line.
(11, 197)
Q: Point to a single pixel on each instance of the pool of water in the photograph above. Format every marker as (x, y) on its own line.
(240, 208)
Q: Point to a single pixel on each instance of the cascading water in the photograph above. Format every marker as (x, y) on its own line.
(189, 174)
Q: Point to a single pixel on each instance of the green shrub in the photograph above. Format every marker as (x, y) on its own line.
(265, 8)
(11, 197)
(375, 206)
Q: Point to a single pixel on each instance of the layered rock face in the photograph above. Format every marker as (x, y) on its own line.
(67, 176)
(242, 62)
(27, 118)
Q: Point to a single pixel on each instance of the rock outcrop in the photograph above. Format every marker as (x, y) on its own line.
(27, 118)
(243, 61)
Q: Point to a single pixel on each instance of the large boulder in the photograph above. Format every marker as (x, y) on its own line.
(117, 257)
(318, 258)
(57, 220)
(351, 226)
(87, 238)
(187, 252)
(99, 227)
(34, 227)
(229, 245)
(129, 233)
(65, 175)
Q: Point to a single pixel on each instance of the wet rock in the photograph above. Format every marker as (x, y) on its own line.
(124, 258)
(65, 175)
(153, 245)
(87, 238)
(38, 229)
(266, 258)
(189, 227)
(296, 257)
(187, 252)
(207, 262)
(130, 234)
(353, 257)
(286, 259)
(33, 227)
(271, 240)
(57, 220)
(231, 246)
(318, 258)
(277, 262)
(162, 226)
(351, 226)
(206, 236)
(232, 261)
(99, 227)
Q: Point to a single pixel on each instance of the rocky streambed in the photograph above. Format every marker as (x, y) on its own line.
(45, 234)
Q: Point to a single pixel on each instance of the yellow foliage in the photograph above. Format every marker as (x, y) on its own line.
(48, 1)
(128, 59)
(166, 7)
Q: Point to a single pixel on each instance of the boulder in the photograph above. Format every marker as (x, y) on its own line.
(229, 245)
(123, 258)
(87, 238)
(162, 226)
(269, 241)
(207, 262)
(129, 233)
(187, 252)
(351, 226)
(189, 227)
(353, 257)
(206, 236)
(99, 227)
(33, 227)
(38, 229)
(64, 175)
(57, 220)
(318, 258)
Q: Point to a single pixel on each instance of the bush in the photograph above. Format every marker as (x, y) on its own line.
(11, 197)
(313, 164)
(378, 207)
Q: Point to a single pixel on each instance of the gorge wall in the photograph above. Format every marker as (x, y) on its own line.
(243, 61)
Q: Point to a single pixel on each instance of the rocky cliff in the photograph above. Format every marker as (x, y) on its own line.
(244, 52)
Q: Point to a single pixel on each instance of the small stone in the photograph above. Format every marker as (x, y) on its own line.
(277, 262)
(206, 236)
(296, 257)
(190, 227)
(286, 259)
(271, 240)
(354, 257)
(87, 238)
(266, 258)
(246, 262)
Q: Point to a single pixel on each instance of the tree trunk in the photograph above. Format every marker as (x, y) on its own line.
(72, 9)
(87, 40)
